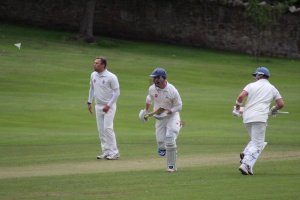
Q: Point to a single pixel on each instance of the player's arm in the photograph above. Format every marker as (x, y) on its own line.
(115, 96)
(278, 100)
(147, 106)
(176, 108)
(149, 100)
(114, 85)
(144, 112)
(238, 103)
(177, 104)
(279, 104)
(91, 97)
(274, 110)
(240, 99)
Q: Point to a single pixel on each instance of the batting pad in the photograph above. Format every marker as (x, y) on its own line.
(171, 153)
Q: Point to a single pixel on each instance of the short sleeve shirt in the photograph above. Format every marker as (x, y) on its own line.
(260, 95)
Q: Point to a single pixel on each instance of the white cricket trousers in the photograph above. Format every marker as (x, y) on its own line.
(168, 127)
(257, 132)
(167, 131)
(105, 124)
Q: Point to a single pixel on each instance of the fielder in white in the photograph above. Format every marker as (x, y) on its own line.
(104, 86)
(168, 124)
(260, 95)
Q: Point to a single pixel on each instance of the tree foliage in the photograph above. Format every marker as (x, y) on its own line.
(263, 14)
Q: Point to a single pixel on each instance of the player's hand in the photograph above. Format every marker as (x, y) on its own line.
(90, 108)
(273, 111)
(169, 111)
(105, 108)
(236, 113)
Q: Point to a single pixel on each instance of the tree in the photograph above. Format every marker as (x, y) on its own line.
(86, 27)
(263, 14)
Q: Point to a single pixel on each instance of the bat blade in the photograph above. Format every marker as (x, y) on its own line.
(157, 111)
(281, 112)
(277, 112)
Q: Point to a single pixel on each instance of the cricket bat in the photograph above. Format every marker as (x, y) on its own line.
(277, 112)
(157, 111)
(282, 112)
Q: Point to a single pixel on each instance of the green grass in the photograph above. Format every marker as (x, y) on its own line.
(49, 141)
(221, 182)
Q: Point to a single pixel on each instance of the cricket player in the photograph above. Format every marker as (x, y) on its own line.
(168, 124)
(260, 95)
(104, 86)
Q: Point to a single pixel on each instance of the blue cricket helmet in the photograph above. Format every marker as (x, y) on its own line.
(159, 72)
(262, 71)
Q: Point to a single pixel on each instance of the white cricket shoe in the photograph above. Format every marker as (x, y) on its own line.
(171, 169)
(246, 169)
(114, 157)
(103, 156)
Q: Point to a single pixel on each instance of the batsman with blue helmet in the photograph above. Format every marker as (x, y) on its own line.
(260, 94)
(168, 124)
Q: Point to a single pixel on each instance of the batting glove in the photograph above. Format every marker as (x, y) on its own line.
(273, 111)
(142, 116)
(236, 113)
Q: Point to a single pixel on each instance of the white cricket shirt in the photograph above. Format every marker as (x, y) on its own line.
(168, 97)
(102, 86)
(260, 95)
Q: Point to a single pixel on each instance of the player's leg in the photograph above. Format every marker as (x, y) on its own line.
(100, 126)
(256, 146)
(110, 135)
(258, 141)
(171, 152)
(242, 155)
(173, 128)
(160, 128)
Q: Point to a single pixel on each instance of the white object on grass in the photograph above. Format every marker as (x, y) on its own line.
(18, 45)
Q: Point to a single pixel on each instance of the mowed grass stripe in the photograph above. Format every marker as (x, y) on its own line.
(104, 166)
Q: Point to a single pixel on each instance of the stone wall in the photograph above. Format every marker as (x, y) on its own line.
(199, 23)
